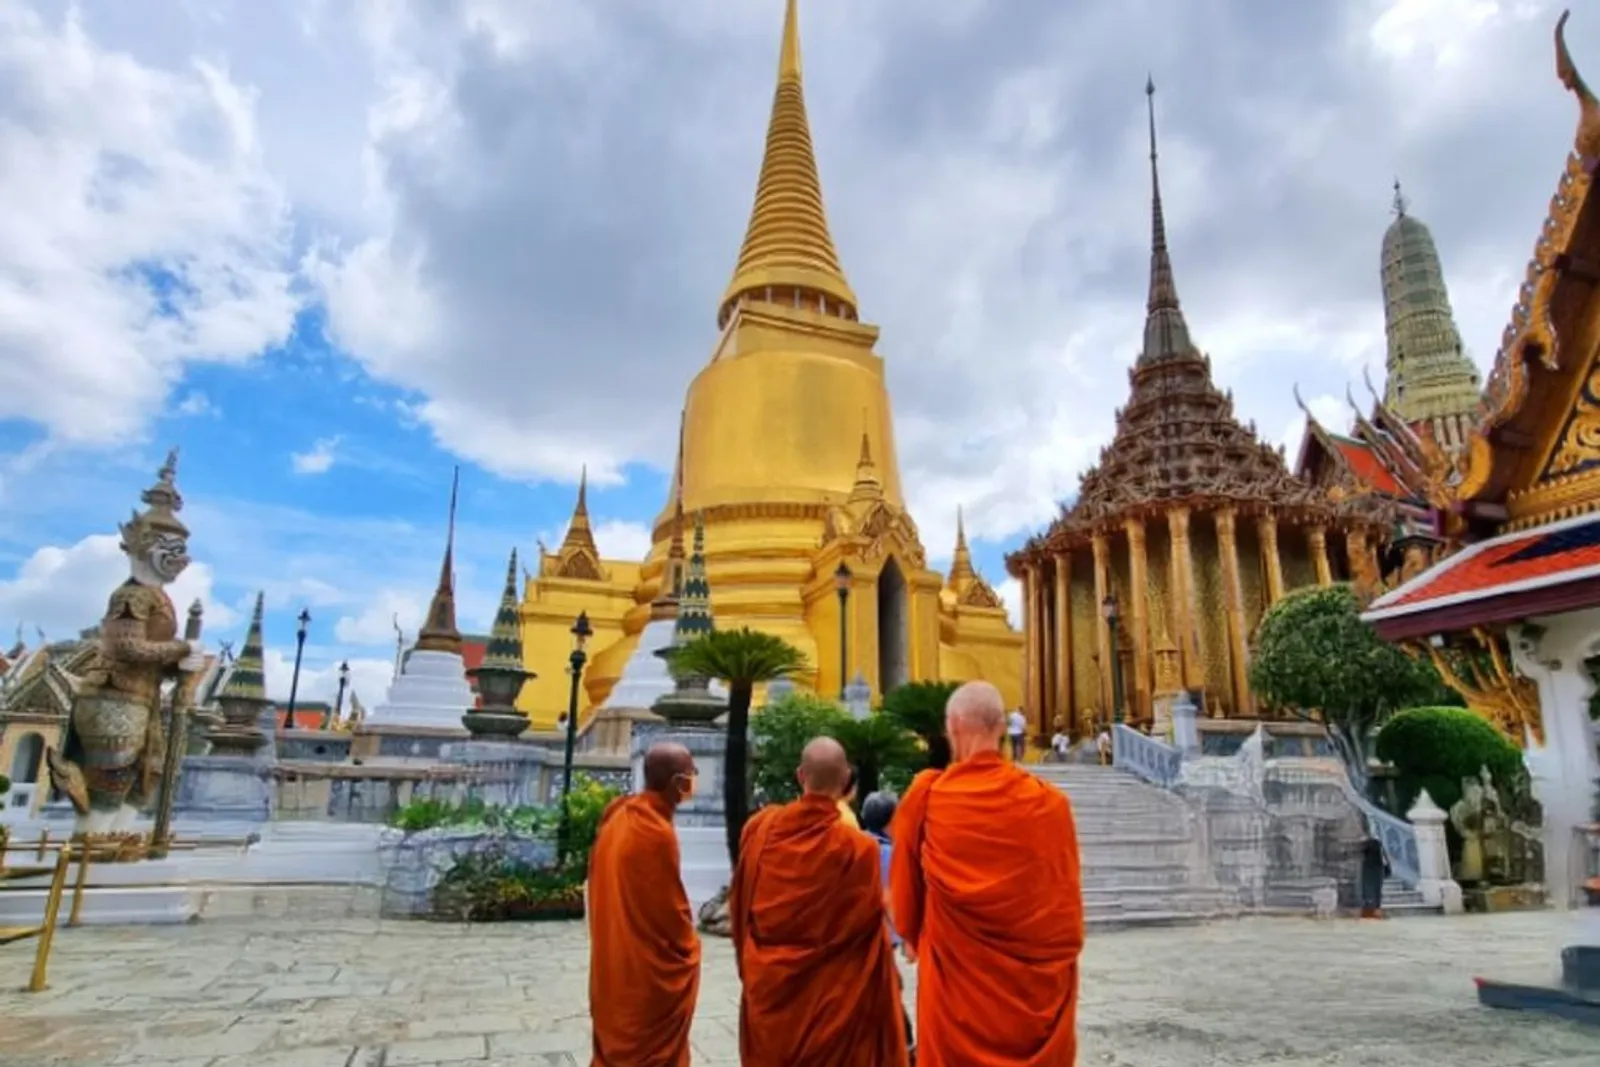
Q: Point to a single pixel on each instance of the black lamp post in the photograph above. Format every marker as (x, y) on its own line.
(841, 583)
(344, 681)
(299, 650)
(580, 637)
(1108, 608)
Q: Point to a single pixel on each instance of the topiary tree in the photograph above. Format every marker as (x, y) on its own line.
(1435, 748)
(1315, 658)
(741, 659)
(779, 732)
(919, 707)
(882, 751)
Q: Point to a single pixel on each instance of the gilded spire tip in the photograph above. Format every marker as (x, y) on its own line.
(789, 56)
(1399, 200)
(1165, 331)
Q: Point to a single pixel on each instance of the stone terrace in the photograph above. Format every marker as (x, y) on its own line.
(282, 992)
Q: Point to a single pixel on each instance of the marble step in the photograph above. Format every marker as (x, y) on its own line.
(1108, 876)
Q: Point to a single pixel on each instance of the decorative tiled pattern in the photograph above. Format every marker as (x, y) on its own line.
(1517, 559)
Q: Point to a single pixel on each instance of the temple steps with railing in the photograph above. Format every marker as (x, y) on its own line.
(1140, 860)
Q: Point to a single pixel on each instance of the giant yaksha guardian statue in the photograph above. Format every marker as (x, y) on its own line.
(112, 760)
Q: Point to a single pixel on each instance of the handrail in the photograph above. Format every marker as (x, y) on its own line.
(1154, 761)
(45, 932)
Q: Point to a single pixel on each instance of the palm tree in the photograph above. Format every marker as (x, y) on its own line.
(741, 659)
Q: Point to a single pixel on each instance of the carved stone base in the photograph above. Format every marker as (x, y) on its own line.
(495, 723)
(1499, 898)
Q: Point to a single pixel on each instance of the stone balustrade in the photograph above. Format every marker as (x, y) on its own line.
(1145, 757)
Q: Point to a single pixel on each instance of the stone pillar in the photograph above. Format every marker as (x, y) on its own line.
(1267, 533)
(1102, 632)
(1317, 539)
(1433, 856)
(1063, 649)
(1233, 606)
(1032, 627)
(1186, 610)
(1139, 619)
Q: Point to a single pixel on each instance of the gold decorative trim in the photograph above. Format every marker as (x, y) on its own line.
(1562, 497)
(718, 513)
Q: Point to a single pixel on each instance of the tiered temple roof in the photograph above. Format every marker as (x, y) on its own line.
(1177, 440)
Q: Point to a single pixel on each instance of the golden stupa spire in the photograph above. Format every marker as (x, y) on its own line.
(788, 255)
(868, 485)
(439, 633)
(580, 535)
(961, 562)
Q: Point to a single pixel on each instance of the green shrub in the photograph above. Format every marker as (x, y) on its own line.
(427, 813)
(5, 785)
(884, 752)
(919, 707)
(1435, 748)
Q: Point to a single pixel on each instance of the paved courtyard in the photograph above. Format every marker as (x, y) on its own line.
(354, 993)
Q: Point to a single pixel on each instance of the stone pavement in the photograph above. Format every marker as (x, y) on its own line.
(364, 993)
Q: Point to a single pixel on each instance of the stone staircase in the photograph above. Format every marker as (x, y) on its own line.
(1142, 861)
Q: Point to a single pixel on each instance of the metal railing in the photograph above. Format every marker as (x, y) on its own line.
(66, 852)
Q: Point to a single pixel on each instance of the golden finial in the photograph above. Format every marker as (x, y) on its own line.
(1587, 141)
(439, 633)
(788, 250)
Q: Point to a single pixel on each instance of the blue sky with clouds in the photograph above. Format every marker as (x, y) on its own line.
(334, 249)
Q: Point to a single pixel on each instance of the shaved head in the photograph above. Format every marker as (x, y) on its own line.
(824, 768)
(665, 763)
(975, 719)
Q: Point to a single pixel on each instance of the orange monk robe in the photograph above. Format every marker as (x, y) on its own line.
(820, 985)
(644, 956)
(984, 884)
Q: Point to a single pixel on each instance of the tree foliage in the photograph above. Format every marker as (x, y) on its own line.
(741, 659)
(1435, 748)
(919, 707)
(884, 753)
(1315, 658)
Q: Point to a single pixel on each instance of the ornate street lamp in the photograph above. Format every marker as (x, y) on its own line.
(344, 682)
(1108, 608)
(299, 650)
(581, 632)
(841, 584)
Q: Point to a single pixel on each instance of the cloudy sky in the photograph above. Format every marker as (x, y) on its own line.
(333, 247)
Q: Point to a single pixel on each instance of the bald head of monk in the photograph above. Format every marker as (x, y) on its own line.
(824, 769)
(669, 770)
(974, 720)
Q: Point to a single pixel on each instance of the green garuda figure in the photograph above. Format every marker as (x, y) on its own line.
(110, 765)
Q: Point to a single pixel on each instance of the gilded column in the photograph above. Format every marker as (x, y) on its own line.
(1317, 537)
(1183, 598)
(1267, 533)
(1102, 633)
(1233, 605)
(1034, 621)
(1063, 650)
(1139, 617)
(1048, 666)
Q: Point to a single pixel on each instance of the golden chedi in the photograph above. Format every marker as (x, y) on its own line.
(788, 458)
(1187, 529)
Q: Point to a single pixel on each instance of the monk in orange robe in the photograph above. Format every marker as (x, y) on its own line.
(807, 907)
(986, 892)
(644, 955)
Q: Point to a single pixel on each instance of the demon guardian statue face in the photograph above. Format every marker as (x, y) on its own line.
(155, 540)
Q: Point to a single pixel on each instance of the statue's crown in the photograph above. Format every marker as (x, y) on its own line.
(162, 503)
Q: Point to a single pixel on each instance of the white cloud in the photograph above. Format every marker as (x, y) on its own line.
(369, 677)
(374, 624)
(64, 590)
(141, 230)
(1010, 591)
(193, 404)
(319, 460)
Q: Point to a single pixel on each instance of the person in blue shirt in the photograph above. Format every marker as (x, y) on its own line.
(877, 812)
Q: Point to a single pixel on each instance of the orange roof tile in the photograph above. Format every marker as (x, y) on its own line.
(1369, 468)
(1539, 557)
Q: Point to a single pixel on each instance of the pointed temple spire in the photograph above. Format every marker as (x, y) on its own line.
(1399, 200)
(580, 535)
(1166, 334)
(961, 569)
(439, 633)
(247, 680)
(504, 649)
(868, 485)
(788, 256)
(694, 604)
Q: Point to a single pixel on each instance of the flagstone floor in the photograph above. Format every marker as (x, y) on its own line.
(319, 993)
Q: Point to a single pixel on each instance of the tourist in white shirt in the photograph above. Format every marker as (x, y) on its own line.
(1017, 730)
